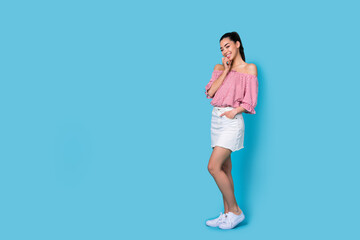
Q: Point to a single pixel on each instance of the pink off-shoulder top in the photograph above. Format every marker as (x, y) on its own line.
(237, 89)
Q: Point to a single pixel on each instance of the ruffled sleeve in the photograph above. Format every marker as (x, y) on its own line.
(249, 101)
(215, 75)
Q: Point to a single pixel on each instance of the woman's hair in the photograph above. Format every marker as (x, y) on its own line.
(234, 36)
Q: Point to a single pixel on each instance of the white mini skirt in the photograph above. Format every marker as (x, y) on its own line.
(225, 132)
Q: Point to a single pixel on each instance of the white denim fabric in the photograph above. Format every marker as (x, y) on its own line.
(226, 132)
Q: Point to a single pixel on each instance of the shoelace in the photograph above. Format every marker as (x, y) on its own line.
(222, 217)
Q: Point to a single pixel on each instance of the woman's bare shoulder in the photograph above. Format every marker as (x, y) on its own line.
(252, 69)
(219, 67)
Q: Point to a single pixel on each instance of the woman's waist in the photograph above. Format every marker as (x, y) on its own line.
(223, 107)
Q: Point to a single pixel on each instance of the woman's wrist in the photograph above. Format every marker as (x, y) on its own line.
(239, 110)
(225, 72)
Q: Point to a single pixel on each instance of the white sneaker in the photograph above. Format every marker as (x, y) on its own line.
(232, 220)
(215, 222)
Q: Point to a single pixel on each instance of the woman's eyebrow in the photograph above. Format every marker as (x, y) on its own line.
(224, 45)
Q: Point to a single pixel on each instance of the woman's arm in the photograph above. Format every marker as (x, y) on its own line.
(217, 83)
(240, 110)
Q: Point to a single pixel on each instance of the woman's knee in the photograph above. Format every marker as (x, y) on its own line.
(213, 169)
(218, 157)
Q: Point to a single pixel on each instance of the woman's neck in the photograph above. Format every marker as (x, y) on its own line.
(238, 62)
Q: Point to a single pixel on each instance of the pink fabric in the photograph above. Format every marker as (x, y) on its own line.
(237, 89)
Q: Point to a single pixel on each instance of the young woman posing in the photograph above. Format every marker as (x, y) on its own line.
(233, 88)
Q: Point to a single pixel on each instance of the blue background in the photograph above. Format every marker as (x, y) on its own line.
(105, 127)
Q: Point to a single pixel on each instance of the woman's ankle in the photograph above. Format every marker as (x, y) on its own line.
(235, 210)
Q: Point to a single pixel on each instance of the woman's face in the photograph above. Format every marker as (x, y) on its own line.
(228, 48)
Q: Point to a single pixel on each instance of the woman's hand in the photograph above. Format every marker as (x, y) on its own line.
(229, 114)
(226, 63)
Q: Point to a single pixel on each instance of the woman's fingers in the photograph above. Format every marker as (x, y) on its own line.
(224, 113)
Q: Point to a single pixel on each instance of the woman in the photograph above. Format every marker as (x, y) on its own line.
(233, 88)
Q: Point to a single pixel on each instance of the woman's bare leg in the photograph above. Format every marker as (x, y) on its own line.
(217, 159)
(227, 166)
